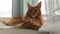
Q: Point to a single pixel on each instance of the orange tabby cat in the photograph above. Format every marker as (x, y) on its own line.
(34, 16)
(32, 20)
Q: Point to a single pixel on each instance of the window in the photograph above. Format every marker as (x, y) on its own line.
(5, 8)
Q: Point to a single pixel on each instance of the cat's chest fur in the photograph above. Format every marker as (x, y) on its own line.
(31, 24)
(35, 21)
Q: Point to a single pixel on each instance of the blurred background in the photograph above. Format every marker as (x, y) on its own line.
(13, 8)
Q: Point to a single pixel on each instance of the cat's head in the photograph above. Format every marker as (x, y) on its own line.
(34, 11)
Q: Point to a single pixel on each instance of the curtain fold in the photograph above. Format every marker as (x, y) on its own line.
(51, 6)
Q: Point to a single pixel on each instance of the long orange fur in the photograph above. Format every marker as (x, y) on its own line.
(31, 20)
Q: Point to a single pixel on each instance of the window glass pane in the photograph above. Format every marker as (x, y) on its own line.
(5, 8)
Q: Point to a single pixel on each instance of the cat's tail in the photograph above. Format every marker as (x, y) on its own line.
(5, 21)
(2, 21)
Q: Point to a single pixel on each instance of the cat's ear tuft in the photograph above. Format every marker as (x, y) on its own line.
(29, 6)
(39, 5)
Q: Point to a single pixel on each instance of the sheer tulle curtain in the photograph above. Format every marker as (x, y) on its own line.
(52, 6)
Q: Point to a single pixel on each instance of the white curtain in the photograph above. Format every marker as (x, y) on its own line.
(52, 6)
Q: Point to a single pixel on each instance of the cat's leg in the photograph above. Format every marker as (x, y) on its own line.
(19, 25)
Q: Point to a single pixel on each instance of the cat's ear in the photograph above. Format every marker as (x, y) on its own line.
(39, 5)
(29, 6)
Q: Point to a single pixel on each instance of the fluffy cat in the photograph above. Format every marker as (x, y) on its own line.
(32, 20)
(34, 16)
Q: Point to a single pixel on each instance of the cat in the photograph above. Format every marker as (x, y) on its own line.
(32, 20)
(34, 16)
